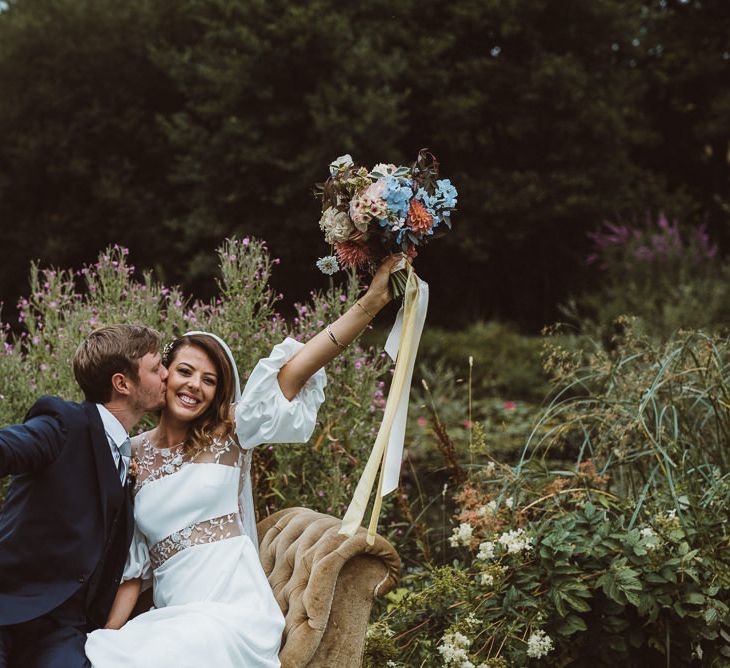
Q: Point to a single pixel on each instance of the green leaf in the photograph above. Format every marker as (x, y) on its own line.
(711, 617)
(572, 624)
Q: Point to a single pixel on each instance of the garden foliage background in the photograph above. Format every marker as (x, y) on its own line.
(565, 495)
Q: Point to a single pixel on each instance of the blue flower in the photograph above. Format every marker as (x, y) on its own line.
(398, 195)
(427, 200)
(447, 193)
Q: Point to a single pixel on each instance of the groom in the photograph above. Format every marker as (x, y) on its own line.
(66, 523)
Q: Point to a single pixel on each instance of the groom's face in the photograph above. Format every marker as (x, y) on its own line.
(149, 392)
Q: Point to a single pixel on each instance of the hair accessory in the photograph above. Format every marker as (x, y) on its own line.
(167, 350)
(364, 309)
(334, 338)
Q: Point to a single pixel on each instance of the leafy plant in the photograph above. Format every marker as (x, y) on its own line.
(64, 306)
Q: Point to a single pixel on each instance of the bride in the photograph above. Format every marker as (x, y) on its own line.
(195, 534)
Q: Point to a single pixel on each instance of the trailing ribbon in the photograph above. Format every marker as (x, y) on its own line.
(387, 453)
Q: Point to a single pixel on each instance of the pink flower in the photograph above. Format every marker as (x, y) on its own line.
(422, 421)
(351, 254)
(468, 424)
(509, 405)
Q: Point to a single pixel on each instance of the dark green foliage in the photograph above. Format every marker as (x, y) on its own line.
(505, 363)
(166, 126)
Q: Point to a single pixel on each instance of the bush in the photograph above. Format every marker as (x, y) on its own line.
(621, 557)
(668, 278)
(64, 306)
(506, 363)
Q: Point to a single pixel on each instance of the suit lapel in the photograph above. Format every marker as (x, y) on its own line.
(111, 492)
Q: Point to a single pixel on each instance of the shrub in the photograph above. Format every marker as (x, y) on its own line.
(64, 306)
(670, 279)
(506, 363)
(622, 557)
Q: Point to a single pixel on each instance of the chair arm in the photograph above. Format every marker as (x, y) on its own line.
(325, 584)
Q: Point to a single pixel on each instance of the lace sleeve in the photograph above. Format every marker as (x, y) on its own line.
(265, 415)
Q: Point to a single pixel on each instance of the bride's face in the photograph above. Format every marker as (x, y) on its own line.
(191, 383)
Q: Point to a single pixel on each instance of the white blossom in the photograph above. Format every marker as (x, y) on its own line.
(539, 644)
(453, 650)
(328, 265)
(461, 535)
(488, 509)
(650, 537)
(509, 502)
(487, 579)
(515, 541)
(490, 468)
(336, 225)
(486, 551)
(340, 164)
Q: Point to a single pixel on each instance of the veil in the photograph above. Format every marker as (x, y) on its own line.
(245, 497)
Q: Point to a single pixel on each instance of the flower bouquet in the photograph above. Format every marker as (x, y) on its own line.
(368, 215)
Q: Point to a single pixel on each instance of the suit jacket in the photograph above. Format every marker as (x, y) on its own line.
(67, 520)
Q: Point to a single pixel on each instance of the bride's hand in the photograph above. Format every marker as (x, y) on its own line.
(378, 293)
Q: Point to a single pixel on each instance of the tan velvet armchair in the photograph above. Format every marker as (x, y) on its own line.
(324, 583)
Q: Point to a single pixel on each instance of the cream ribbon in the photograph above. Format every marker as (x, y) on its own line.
(387, 453)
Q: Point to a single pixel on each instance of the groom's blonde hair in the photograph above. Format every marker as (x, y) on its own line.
(110, 350)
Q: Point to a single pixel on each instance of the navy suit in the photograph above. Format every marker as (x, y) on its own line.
(65, 529)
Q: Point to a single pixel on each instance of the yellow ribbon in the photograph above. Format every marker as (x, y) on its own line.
(388, 448)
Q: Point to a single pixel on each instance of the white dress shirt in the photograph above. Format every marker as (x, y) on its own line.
(116, 435)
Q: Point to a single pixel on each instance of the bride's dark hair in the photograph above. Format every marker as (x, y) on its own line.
(216, 421)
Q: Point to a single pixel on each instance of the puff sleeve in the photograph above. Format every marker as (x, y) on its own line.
(138, 560)
(265, 415)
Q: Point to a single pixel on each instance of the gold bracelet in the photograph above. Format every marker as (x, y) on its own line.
(364, 309)
(333, 338)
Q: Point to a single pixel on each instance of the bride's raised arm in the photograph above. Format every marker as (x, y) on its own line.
(327, 344)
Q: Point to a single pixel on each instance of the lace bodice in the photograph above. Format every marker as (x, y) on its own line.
(150, 463)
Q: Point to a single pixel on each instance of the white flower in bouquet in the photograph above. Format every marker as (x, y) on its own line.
(328, 265)
(336, 225)
(382, 169)
(340, 164)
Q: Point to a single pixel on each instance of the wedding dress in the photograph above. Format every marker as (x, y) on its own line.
(213, 605)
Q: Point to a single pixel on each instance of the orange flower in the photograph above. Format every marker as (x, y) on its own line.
(419, 220)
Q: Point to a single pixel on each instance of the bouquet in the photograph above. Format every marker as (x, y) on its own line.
(368, 215)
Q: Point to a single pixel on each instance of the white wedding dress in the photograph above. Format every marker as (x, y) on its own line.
(212, 602)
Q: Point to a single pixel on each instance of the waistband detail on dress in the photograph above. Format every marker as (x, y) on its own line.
(209, 531)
